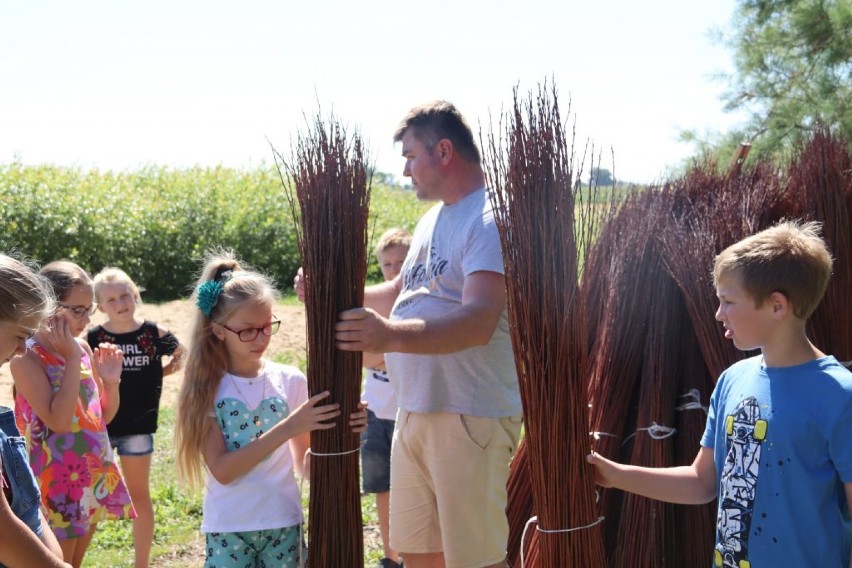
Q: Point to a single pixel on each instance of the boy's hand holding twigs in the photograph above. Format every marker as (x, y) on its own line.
(605, 470)
(108, 360)
(358, 420)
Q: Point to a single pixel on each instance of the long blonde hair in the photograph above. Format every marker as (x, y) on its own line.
(207, 362)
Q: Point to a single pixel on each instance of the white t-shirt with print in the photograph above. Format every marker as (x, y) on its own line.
(267, 497)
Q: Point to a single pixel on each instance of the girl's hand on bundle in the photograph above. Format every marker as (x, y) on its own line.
(108, 359)
(61, 338)
(358, 420)
(310, 417)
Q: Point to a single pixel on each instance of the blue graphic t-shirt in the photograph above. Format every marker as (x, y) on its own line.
(781, 440)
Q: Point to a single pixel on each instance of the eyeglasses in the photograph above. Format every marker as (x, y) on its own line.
(79, 311)
(251, 333)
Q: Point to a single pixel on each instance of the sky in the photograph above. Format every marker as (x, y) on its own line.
(118, 85)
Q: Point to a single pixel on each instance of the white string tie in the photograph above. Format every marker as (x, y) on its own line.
(347, 452)
(534, 519)
(597, 435)
(308, 452)
(656, 431)
(693, 402)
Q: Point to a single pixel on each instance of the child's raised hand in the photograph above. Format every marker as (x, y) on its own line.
(358, 420)
(108, 359)
(605, 470)
(310, 417)
(62, 339)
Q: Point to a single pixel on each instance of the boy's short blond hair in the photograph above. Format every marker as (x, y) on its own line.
(790, 258)
(390, 238)
(112, 275)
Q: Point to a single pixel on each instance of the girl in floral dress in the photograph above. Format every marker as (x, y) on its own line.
(65, 395)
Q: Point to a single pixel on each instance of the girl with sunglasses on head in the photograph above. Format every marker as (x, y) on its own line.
(131, 432)
(66, 393)
(246, 420)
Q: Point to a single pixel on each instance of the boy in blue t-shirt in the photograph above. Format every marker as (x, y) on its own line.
(777, 448)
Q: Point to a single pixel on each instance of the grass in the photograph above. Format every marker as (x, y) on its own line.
(177, 511)
(178, 541)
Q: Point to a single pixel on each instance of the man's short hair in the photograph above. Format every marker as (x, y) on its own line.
(790, 258)
(436, 120)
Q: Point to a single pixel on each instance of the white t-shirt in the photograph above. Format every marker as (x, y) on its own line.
(267, 497)
(380, 394)
(450, 243)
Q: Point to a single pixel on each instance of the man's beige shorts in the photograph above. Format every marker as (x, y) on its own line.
(448, 486)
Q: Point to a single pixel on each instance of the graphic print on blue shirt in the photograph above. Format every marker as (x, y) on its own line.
(745, 434)
(240, 425)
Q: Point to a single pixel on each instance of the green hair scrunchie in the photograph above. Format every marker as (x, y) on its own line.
(208, 296)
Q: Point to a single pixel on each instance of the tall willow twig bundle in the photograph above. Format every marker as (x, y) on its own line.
(530, 167)
(330, 177)
(624, 257)
(645, 523)
(519, 510)
(693, 525)
(819, 182)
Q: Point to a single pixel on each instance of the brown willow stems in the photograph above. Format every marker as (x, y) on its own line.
(331, 181)
(819, 183)
(543, 223)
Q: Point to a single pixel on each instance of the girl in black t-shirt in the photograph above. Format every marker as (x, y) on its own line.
(131, 432)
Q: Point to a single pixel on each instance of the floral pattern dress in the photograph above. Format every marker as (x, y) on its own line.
(79, 480)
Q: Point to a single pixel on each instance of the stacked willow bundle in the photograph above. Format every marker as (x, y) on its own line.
(819, 187)
(329, 174)
(621, 265)
(530, 168)
(519, 510)
(713, 212)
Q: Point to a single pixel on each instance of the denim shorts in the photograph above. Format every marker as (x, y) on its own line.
(375, 453)
(133, 444)
(26, 497)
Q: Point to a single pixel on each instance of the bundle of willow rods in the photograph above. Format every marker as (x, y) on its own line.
(714, 212)
(819, 185)
(331, 181)
(535, 199)
(519, 510)
(620, 267)
(650, 308)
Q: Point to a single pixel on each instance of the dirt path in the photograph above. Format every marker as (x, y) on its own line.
(177, 316)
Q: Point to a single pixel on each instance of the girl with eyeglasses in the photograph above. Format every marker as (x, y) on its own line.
(246, 421)
(131, 432)
(66, 393)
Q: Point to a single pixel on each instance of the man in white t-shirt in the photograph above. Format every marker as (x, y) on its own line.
(443, 327)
